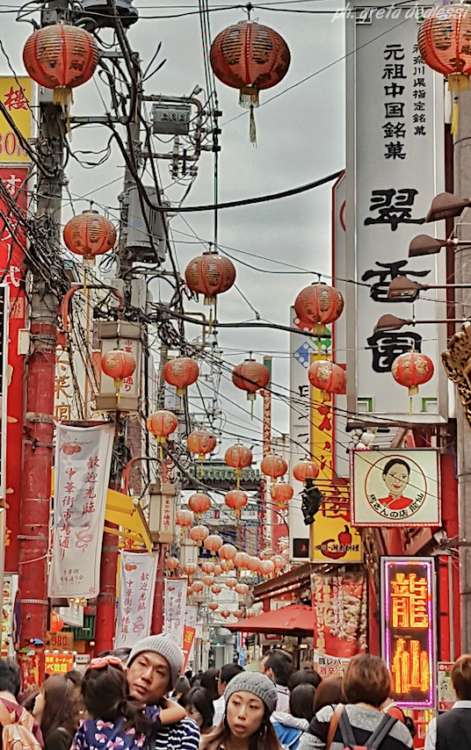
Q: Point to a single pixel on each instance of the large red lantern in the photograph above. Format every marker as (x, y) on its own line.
(213, 606)
(249, 57)
(304, 470)
(181, 372)
(89, 234)
(210, 274)
(411, 370)
(199, 503)
(317, 305)
(236, 500)
(162, 424)
(281, 493)
(444, 45)
(213, 542)
(119, 365)
(201, 443)
(242, 589)
(198, 534)
(227, 552)
(60, 57)
(250, 376)
(327, 377)
(184, 518)
(240, 560)
(273, 466)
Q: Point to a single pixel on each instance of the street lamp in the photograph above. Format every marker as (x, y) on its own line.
(446, 206)
(423, 244)
(403, 289)
(393, 323)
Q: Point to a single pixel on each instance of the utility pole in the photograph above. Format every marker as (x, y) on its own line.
(462, 187)
(39, 425)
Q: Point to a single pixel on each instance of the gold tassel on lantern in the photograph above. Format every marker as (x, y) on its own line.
(248, 99)
(457, 82)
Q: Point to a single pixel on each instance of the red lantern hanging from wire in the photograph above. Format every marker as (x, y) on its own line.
(240, 560)
(215, 589)
(236, 500)
(207, 566)
(231, 583)
(250, 57)
(304, 470)
(242, 589)
(273, 466)
(118, 365)
(281, 493)
(238, 457)
(210, 274)
(171, 564)
(327, 377)
(61, 57)
(199, 503)
(213, 542)
(443, 40)
(184, 518)
(227, 552)
(181, 372)
(316, 306)
(267, 568)
(161, 424)
(89, 234)
(213, 606)
(412, 369)
(251, 376)
(198, 534)
(201, 443)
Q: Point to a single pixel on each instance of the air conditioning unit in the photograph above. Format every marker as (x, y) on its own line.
(138, 230)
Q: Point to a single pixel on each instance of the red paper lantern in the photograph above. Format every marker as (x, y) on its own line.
(181, 372)
(172, 563)
(281, 492)
(267, 568)
(198, 534)
(411, 370)
(238, 613)
(216, 589)
(238, 457)
(196, 587)
(306, 470)
(227, 565)
(249, 57)
(89, 234)
(273, 466)
(327, 377)
(317, 305)
(231, 583)
(60, 57)
(217, 568)
(208, 580)
(213, 606)
(250, 376)
(240, 560)
(162, 424)
(199, 503)
(213, 542)
(119, 365)
(253, 564)
(207, 566)
(242, 589)
(225, 614)
(201, 443)
(236, 500)
(184, 518)
(227, 552)
(190, 569)
(210, 274)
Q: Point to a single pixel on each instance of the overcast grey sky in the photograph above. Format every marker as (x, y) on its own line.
(300, 138)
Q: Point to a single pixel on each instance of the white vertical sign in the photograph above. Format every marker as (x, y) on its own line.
(82, 464)
(175, 608)
(136, 598)
(395, 158)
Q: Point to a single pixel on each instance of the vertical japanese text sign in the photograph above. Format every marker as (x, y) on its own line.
(175, 608)
(16, 94)
(82, 464)
(395, 159)
(408, 628)
(136, 598)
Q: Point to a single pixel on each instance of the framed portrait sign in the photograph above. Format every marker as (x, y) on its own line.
(395, 487)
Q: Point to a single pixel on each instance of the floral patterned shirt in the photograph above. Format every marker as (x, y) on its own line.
(95, 734)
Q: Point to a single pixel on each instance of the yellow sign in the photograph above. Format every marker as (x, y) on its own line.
(16, 95)
(333, 539)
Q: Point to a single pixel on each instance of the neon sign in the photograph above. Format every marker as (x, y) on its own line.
(408, 628)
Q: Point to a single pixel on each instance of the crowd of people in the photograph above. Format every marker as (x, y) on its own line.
(141, 701)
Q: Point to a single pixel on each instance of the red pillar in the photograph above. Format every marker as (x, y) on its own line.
(158, 608)
(450, 522)
(106, 601)
(36, 482)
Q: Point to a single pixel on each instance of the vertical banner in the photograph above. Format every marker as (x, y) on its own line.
(82, 465)
(10, 589)
(395, 166)
(136, 598)
(16, 93)
(175, 608)
(408, 629)
(339, 602)
(188, 640)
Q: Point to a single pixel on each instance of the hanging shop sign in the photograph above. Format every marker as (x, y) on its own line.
(339, 603)
(175, 608)
(136, 597)
(334, 539)
(394, 166)
(82, 470)
(10, 589)
(188, 640)
(16, 94)
(62, 641)
(408, 629)
(58, 662)
(396, 487)
(329, 666)
(446, 695)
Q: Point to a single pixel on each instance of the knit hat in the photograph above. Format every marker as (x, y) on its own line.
(166, 647)
(256, 683)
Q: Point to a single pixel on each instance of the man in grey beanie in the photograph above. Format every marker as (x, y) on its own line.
(152, 671)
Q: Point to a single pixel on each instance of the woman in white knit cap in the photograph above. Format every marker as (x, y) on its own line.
(250, 700)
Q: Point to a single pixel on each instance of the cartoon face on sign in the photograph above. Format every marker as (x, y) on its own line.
(396, 488)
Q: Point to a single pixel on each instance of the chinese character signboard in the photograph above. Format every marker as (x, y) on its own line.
(394, 168)
(136, 598)
(175, 608)
(58, 662)
(408, 628)
(16, 94)
(339, 603)
(82, 470)
(329, 666)
(396, 487)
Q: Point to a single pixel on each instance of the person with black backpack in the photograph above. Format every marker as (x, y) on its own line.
(360, 723)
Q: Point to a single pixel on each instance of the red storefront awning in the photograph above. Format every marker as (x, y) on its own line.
(296, 619)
